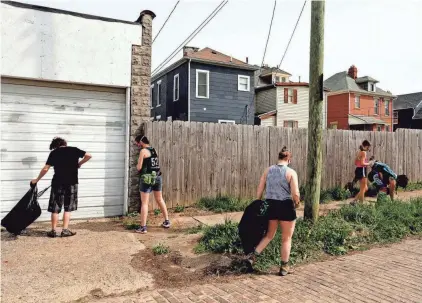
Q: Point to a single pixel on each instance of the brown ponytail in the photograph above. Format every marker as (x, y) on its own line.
(284, 154)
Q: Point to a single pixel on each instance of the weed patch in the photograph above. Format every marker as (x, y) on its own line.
(221, 204)
(160, 249)
(349, 228)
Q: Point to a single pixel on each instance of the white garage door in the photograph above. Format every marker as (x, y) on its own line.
(87, 118)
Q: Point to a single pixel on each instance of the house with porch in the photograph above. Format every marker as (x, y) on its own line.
(357, 103)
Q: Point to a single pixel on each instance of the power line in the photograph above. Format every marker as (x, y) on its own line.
(291, 37)
(190, 37)
(269, 33)
(177, 3)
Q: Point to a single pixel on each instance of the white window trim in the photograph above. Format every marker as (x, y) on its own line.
(158, 93)
(207, 72)
(227, 121)
(357, 96)
(174, 87)
(377, 102)
(238, 83)
(151, 91)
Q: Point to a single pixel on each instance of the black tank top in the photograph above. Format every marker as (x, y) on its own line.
(150, 164)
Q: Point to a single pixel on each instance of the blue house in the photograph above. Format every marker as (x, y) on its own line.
(204, 86)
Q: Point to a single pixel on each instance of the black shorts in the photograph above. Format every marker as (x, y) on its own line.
(281, 210)
(66, 195)
(360, 173)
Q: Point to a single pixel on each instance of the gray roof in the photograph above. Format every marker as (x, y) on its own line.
(343, 82)
(366, 79)
(265, 71)
(407, 101)
(366, 120)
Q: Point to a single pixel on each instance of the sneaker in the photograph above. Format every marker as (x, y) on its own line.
(52, 234)
(141, 230)
(284, 270)
(67, 233)
(166, 224)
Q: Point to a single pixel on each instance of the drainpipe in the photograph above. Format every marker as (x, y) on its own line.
(189, 89)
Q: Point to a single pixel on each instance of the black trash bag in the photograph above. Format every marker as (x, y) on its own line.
(25, 212)
(253, 225)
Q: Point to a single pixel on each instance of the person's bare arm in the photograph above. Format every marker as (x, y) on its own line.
(261, 186)
(42, 173)
(140, 159)
(85, 159)
(294, 188)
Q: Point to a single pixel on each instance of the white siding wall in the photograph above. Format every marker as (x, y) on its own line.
(269, 121)
(266, 101)
(297, 112)
(61, 47)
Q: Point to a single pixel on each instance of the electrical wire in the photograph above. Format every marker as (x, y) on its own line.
(269, 34)
(177, 3)
(291, 37)
(190, 37)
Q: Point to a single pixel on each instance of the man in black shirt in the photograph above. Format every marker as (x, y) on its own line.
(64, 186)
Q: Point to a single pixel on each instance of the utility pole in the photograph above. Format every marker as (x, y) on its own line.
(316, 97)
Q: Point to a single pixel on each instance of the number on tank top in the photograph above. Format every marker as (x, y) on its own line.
(154, 162)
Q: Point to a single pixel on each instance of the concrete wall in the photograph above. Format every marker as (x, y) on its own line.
(55, 46)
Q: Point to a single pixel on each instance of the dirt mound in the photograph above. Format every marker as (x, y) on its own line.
(177, 270)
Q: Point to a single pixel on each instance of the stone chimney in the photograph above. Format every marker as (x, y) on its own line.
(353, 72)
(140, 109)
(247, 60)
(187, 50)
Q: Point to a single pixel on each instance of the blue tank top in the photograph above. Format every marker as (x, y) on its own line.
(277, 186)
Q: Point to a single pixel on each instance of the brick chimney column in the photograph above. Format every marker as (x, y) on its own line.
(353, 72)
(140, 110)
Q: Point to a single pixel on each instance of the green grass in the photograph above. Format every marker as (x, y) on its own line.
(347, 229)
(179, 209)
(160, 249)
(327, 195)
(157, 212)
(413, 186)
(131, 221)
(221, 204)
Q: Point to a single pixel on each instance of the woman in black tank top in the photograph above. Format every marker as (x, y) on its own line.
(150, 180)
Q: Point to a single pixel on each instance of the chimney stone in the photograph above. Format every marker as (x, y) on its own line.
(187, 50)
(353, 72)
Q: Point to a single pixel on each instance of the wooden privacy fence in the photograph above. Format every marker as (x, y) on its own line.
(207, 159)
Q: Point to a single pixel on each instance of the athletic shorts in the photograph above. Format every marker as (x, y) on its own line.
(281, 210)
(63, 195)
(147, 188)
(360, 173)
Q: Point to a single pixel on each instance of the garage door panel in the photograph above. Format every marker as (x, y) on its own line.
(82, 202)
(31, 157)
(14, 190)
(61, 119)
(93, 163)
(40, 146)
(8, 98)
(61, 130)
(62, 110)
(92, 119)
(84, 173)
(68, 94)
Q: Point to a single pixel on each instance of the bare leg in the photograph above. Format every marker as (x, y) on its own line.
(363, 189)
(158, 195)
(54, 220)
(66, 220)
(287, 229)
(272, 229)
(392, 189)
(144, 208)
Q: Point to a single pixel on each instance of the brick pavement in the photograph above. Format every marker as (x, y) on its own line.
(388, 274)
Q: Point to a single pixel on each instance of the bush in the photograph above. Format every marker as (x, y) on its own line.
(157, 212)
(221, 204)
(179, 209)
(160, 249)
(350, 228)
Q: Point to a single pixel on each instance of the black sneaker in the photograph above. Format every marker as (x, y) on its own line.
(142, 230)
(166, 224)
(67, 233)
(52, 234)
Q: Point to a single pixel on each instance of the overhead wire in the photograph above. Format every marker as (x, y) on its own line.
(269, 34)
(165, 22)
(291, 37)
(190, 37)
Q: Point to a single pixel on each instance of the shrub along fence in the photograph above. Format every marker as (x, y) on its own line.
(207, 159)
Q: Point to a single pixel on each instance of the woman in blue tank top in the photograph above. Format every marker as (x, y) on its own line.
(282, 194)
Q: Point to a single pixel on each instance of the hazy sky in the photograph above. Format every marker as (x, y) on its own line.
(383, 38)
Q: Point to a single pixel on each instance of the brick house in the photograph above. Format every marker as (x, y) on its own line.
(357, 103)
